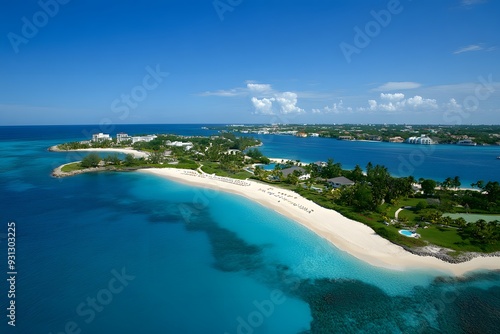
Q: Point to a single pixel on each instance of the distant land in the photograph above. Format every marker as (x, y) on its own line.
(469, 135)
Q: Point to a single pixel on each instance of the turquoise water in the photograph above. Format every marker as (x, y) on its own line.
(406, 233)
(470, 163)
(198, 261)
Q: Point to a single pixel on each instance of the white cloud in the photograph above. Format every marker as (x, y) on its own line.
(453, 105)
(392, 97)
(263, 106)
(468, 48)
(468, 3)
(398, 103)
(260, 88)
(336, 108)
(418, 102)
(264, 98)
(225, 93)
(401, 85)
(372, 104)
(288, 103)
(474, 47)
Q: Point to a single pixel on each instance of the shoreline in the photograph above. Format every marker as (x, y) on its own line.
(346, 234)
(135, 153)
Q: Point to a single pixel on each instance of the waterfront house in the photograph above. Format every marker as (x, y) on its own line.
(422, 140)
(147, 138)
(99, 137)
(338, 182)
(122, 137)
(396, 139)
(303, 174)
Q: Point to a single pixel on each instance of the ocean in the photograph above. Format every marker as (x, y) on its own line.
(135, 253)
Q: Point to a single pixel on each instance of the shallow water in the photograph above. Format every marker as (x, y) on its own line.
(199, 261)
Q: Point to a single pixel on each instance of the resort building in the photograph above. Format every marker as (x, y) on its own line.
(187, 146)
(147, 138)
(346, 137)
(373, 138)
(122, 137)
(422, 140)
(338, 182)
(233, 151)
(303, 176)
(99, 137)
(396, 139)
(466, 142)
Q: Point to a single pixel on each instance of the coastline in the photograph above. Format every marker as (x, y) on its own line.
(135, 153)
(348, 235)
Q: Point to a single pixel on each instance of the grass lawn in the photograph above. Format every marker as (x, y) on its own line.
(447, 237)
(71, 167)
(213, 168)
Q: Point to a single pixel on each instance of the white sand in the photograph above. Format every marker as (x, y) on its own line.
(135, 153)
(348, 235)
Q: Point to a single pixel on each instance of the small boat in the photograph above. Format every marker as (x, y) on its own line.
(498, 157)
(466, 142)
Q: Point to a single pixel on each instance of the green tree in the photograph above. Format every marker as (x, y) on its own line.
(331, 169)
(129, 160)
(428, 187)
(357, 174)
(113, 159)
(363, 198)
(91, 160)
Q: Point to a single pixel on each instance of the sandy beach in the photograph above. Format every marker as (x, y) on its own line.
(348, 235)
(135, 153)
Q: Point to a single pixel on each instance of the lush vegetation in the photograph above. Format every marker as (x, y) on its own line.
(481, 134)
(376, 196)
(373, 199)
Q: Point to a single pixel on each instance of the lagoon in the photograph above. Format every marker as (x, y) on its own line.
(205, 273)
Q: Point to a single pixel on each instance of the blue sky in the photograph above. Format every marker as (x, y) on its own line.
(250, 61)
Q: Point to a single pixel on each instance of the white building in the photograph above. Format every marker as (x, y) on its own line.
(422, 140)
(122, 137)
(187, 146)
(99, 137)
(338, 182)
(147, 138)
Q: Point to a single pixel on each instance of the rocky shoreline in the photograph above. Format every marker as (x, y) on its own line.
(443, 254)
(57, 172)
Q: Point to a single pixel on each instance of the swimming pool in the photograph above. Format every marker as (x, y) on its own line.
(407, 233)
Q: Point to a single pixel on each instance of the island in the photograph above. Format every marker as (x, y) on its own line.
(387, 221)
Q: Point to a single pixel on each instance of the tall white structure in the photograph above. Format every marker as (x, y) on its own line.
(122, 137)
(98, 137)
(422, 140)
(147, 138)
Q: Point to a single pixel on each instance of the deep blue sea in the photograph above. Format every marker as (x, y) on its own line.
(135, 253)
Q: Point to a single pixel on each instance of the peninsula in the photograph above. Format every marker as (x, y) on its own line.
(358, 211)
